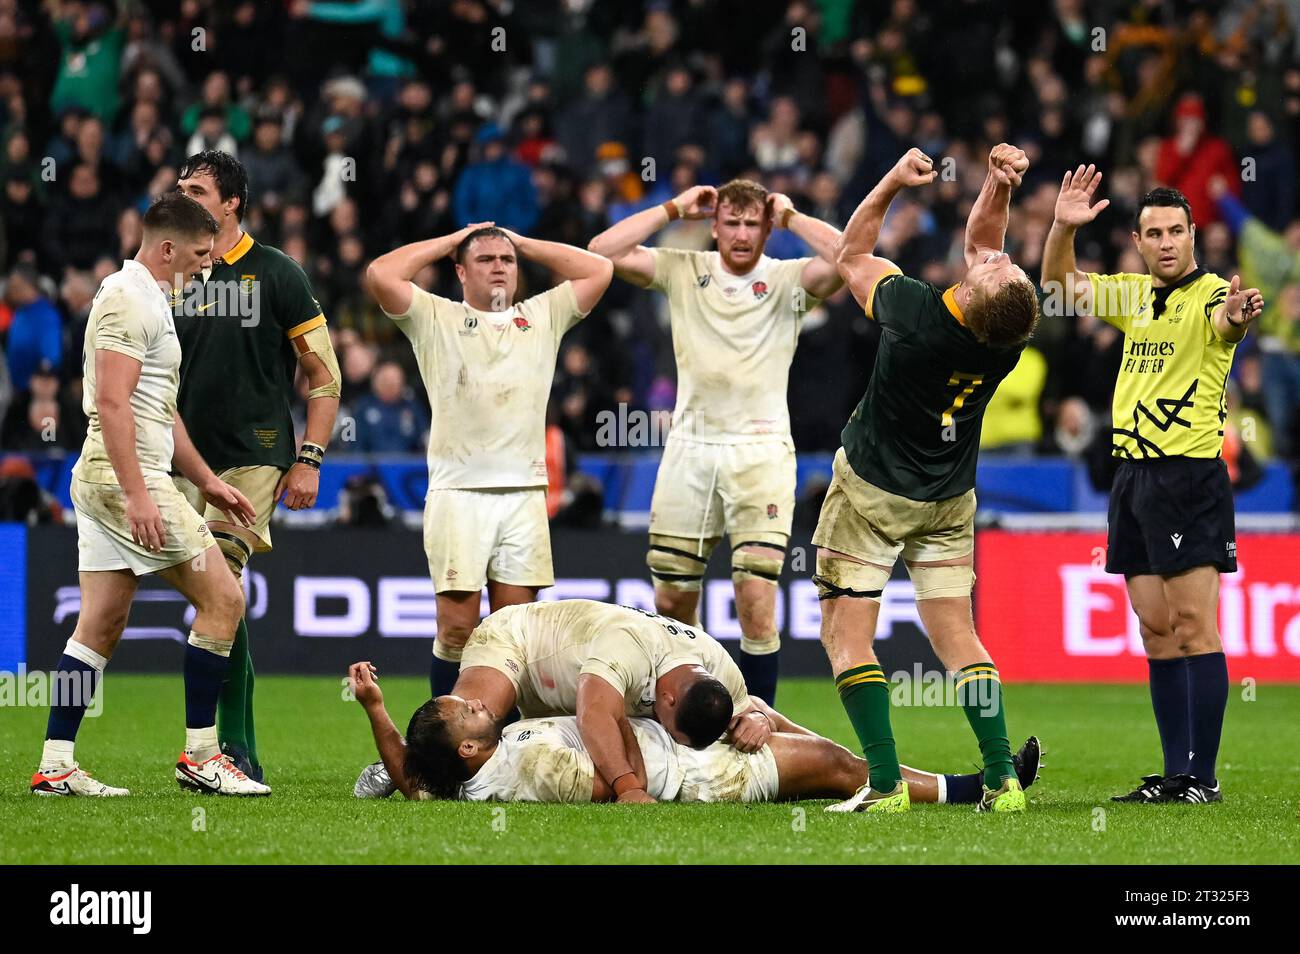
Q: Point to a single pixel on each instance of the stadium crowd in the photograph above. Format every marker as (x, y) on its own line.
(367, 124)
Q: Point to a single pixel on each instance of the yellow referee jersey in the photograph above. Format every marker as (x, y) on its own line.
(1169, 396)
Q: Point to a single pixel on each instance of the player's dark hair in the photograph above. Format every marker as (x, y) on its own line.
(704, 712)
(176, 214)
(432, 763)
(1165, 197)
(228, 171)
(1005, 318)
(489, 231)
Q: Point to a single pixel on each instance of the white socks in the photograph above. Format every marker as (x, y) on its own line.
(57, 754)
(201, 744)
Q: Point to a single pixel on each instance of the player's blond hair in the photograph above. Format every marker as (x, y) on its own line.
(1005, 317)
(740, 194)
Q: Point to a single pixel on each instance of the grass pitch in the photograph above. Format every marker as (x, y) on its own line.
(1098, 740)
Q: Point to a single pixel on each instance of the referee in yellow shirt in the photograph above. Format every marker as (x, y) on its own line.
(1171, 528)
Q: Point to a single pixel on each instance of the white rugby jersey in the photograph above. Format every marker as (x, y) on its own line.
(734, 337)
(488, 376)
(628, 648)
(544, 760)
(131, 315)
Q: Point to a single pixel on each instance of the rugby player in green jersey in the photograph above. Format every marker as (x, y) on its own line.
(243, 333)
(904, 480)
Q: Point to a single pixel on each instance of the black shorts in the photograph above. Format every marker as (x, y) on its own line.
(1169, 515)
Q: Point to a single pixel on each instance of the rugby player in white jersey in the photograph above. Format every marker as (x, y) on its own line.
(131, 519)
(604, 664)
(457, 749)
(487, 364)
(729, 462)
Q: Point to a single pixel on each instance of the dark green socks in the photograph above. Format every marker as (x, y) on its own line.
(864, 691)
(979, 693)
(235, 707)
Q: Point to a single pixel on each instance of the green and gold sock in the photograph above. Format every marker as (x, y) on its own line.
(979, 693)
(864, 691)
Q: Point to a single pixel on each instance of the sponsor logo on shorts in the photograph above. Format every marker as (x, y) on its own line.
(1232, 548)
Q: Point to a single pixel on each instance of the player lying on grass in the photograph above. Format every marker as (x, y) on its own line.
(131, 519)
(605, 663)
(456, 748)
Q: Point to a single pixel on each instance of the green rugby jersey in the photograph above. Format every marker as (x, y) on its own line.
(916, 431)
(238, 359)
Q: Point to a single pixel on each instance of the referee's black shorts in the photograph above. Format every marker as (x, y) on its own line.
(1171, 514)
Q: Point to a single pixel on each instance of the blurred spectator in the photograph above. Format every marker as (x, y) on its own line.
(216, 104)
(1011, 421)
(1192, 156)
(92, 58)
(273, 175)
(80, 225)
(34, 332)
(388, 420)
(601, 114)
(1270, 261)
(1269, 192)
(496, 188)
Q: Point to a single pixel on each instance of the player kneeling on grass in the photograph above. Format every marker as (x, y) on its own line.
(455, 749)
(131, 519)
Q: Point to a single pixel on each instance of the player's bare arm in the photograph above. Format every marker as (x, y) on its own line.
(602, 722)
(363, 681)
(621, 242)
(117, 376)
(986, 227)
(779, 722)
(854, 257)
(388, 278)
(300, 484)
(819, 277)
(590, 273)
(1242, 306)
(191, 465)
(1074, 208)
